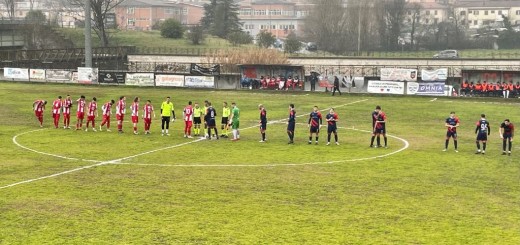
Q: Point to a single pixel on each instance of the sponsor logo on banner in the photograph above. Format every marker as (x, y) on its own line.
(385, 87)
(432, 88)
(16, 73)
(434, 75)
(396, 74)
(169, 80)
(37, 74)
(199, 82)
(58, 75)
(111, 77)
(412, 87)
(87, 75)
(140, 79)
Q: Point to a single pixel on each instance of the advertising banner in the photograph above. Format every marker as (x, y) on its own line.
(396, 74)
(169, 80)
(434, 75)
(385, 87)
(140, 79)
(199, 82)
(430, 88)
(58, 75)
(87, 75)
(111, 77)
(16, 73)
(37, 74)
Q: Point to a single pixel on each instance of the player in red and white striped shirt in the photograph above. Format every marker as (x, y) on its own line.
(56, 110)
(188, 120)
(107, 111)
(92, 114)
(135, 113)
(80, 112)
(39, 107)
(67, 105)
(147, 116)
(120, 113)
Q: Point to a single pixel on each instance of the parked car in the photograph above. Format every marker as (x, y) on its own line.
(447, 54)
(311, 46)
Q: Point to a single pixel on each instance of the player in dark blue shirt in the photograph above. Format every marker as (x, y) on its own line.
(210, 116)
(315, 121)
(451, 124)
(482, 130)
(507, 132)
(379, 127)
(332, 118)
(263, 122)
(291, 124)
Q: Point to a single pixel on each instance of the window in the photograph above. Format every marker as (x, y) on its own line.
(427, 12)
(427, 21)
(518, 12)
(244, 12)
(130, 10)
(475, 12)
(486, 12)
(131, 22)
(264, 27)
(436, 12)
(168, 10)
(275, 12)
(475, 22)
(470, 11)
(184, 11)
(492, 11)
(273, 27)
(260, 12)
(500, 12)
(249, 27)
(462, 13)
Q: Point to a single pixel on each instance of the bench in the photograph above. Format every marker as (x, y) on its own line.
(325, 84)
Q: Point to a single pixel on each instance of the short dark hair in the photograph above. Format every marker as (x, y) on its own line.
(83, 96)
(149, 101)
(482, 115)
(120, 98)
(378, 107)
(292, 106)
(452, 112)
(189, 102)
(507, 120)
(94, 99)
(59, 97)
(136, 99)
(112, 101)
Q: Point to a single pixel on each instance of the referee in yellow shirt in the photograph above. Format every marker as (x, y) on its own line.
(167, 111)
(226, 111)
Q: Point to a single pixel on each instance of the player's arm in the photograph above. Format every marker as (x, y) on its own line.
(489, 129)
(501, 132)
(477, 128)
(321, 120)
(173, 114)
(310, 119)
(34, 106)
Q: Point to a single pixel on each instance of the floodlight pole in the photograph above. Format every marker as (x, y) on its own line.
(88, 35)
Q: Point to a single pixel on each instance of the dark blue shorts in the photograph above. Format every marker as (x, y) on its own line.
(507, 136)
(381, 130)
(332, 129)
(482, 137)
(451, 134)
(291, 127)
(263, 126)
(314, 129)
(211, 123)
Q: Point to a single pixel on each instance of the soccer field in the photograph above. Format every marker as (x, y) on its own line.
(62, 186)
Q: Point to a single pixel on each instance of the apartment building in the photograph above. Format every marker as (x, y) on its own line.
(279, 17)
(488, 13)
(429, 13)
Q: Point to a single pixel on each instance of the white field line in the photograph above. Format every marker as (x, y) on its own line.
(116, 161)
(405, 142)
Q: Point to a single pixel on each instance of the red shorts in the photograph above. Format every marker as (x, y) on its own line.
(148, 120)
(56, 116)
(66, 114)
(91, 118)
(80, 115)
(135, 119)
(38, 114)
(120, 117)
(106, 118)
(189, 124)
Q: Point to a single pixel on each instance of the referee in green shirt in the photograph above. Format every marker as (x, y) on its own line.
(167, 111)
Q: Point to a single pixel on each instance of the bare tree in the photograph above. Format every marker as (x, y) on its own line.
(10, 4)
(416, 13)
(100, 8)
(327, 25)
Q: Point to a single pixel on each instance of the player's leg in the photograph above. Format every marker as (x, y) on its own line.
(237, 128)
(372, 139)
(484, 144)
(384, 136)
(108, 124)
(329, 133)
(510, 145)
(478, 146)
(378, 138)
(310, 136)
(336, 136)
(163, 123)
(167, 127)
(447, 142)
(94, 123)
(455, 142)
(190, 124)
(504, 144)
(317, 135)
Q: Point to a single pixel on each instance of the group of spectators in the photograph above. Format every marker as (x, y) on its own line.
(485, 89)
(273, 82)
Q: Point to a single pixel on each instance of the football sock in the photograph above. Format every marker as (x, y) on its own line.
(484, 146)
(263, 136)
(328, 138)
(478, 145)
(378, 140)
(317, 138)
(504, 143)
(372, 140)
(238, 134)
(446, 144)
(455, 143)
(386, 141)
(135, 128)
(310, 138)
(216, 132)
(510, 145)
(167, 131)
(336, 137)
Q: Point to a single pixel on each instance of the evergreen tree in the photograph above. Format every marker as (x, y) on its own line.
(221, 18)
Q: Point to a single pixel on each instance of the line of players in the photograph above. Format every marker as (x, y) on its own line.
(483, 130)
(193, 116)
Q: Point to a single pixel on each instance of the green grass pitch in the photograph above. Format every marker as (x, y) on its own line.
(73, 187)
